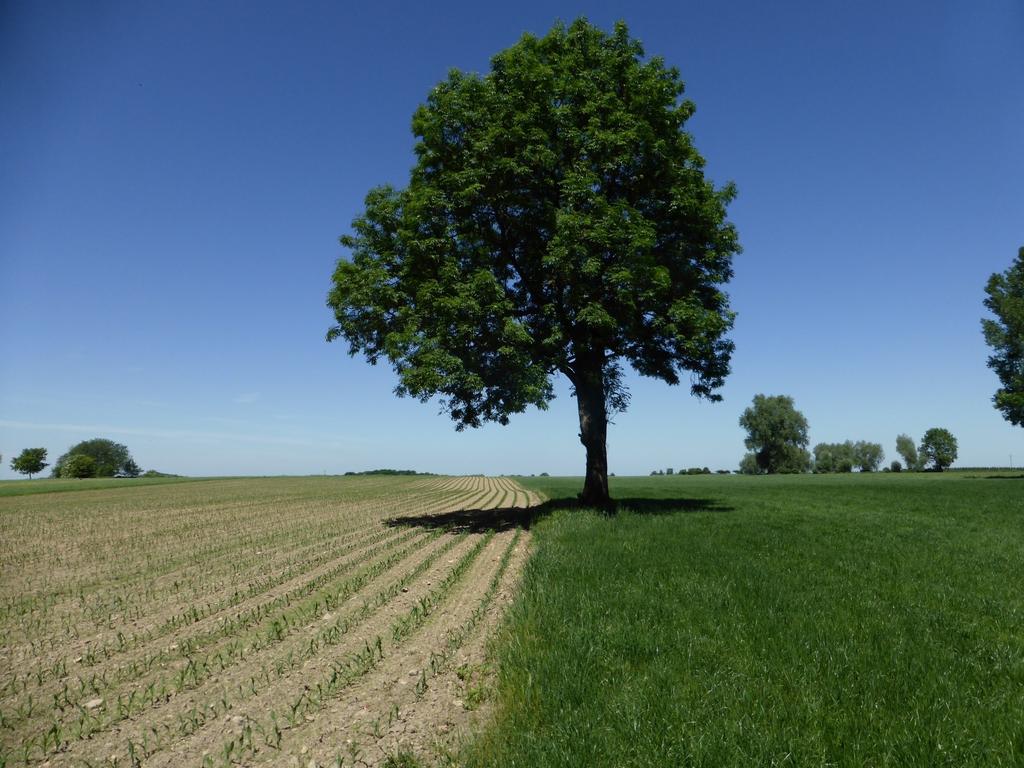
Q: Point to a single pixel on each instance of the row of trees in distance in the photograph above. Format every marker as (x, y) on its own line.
(90, 458)
(844, 457)
(777, 442)
(690, 471)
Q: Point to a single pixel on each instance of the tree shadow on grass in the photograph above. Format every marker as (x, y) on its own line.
(1004, 477)
(504, 518)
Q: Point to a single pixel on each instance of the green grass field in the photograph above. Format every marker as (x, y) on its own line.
(715, 620)
(63, 485)
(731, 621)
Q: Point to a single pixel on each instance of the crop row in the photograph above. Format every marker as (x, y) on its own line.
(299, 618)
(42, 641)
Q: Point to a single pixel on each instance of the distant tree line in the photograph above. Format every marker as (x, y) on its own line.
(389, 472)
(844, 457)
(777, 442)
(690, 471)
(90, 458)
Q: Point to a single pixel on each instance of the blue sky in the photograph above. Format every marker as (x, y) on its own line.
(174, 177)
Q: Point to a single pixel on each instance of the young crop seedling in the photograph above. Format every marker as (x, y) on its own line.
(171, 620)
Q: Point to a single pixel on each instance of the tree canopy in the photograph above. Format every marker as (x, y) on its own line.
(905, 447)
(833, 457)
(109, 459)
(79, 466)
(1005, 334)
(30, 461)
(843, 457)
(867, 456)
(776, 435)
(557, 221)
(939, 447)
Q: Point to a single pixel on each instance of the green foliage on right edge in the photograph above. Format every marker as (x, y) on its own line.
(1005, 335)
(30, 461)
(938, 446)
(557, 221)
(777, 435)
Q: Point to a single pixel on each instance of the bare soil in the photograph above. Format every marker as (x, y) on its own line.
(323, 622)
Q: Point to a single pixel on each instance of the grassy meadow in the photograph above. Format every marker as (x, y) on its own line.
(62, 485)
(847, 620)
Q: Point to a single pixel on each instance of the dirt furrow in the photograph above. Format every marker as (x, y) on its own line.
(253, 615)
(106, 643)
(239, 522)
(176, 642)
(256, 688)
(293, 700)
(176, 669)
(156, 620)
(456, 697)
(111, 605)
(403, 702)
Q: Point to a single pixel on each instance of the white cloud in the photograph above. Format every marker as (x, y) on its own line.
(247, 397)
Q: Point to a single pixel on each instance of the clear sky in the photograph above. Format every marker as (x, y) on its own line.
(174, 178)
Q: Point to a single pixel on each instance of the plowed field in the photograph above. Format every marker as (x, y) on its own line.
(278, 621)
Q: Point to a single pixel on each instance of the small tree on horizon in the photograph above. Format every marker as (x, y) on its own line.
(557, 222)
(906, 448)
(777, 435)
(939, 447)
(30, 461)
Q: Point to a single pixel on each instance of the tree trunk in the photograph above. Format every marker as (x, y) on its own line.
(590, 399)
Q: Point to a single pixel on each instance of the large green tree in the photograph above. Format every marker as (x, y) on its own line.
(557, 221)
(109, 459)
(1005, 334)
(30, 461)
(939, 447)
(776, 435)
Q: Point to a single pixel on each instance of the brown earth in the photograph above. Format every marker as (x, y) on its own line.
(284, 621)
